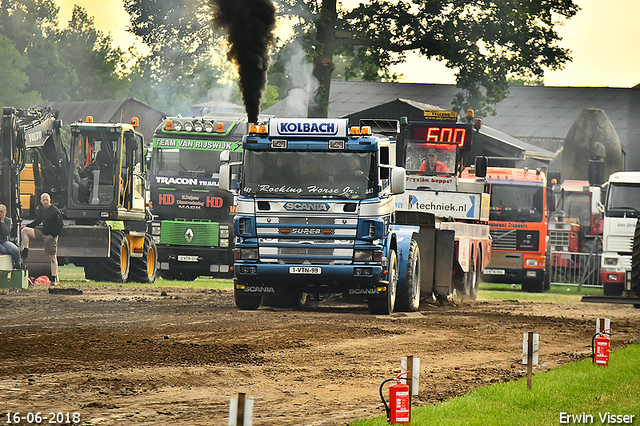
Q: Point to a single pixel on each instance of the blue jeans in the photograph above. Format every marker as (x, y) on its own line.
(9, 248)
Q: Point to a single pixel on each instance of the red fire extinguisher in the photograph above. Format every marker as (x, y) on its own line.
(399, 408)
(600, 347)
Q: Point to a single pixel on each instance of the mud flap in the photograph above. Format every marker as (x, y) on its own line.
(444, 257)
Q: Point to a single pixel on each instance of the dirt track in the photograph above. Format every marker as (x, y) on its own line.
(136, 357)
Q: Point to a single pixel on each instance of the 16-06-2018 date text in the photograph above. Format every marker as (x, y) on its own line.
(56, 418)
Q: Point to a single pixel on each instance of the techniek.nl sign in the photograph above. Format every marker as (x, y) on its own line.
(444, 204)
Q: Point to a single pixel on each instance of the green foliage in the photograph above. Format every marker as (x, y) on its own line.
(485, 42)
(576, 389)
(74, 63)
(13, 79)
(184, 66)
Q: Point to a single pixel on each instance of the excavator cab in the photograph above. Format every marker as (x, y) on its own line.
(106, 180)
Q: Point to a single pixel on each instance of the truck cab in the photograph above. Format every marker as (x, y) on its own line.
(621, 211)
(314, 211)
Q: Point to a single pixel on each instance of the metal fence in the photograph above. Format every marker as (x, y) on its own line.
(580, 269)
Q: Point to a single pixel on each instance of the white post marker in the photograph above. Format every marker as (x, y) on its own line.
(415, 373)
(525, 348)
(244, 416)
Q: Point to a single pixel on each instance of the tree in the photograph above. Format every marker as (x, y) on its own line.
(486, 41)
(76, 63)
(184, 65)
(98, 66)
(13, 78)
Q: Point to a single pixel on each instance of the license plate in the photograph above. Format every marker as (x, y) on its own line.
(493, 272)
(187, 258)
(309, 270)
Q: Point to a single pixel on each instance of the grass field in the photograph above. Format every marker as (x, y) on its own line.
(580, 389)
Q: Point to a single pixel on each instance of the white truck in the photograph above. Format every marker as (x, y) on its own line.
(621, 211)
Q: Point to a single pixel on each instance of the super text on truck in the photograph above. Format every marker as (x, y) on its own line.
(192, 217)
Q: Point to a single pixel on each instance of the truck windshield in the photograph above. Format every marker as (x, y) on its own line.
(576, 205)
(430, 158)
(623, 200)
(185, 162)
(522, 203)
(309, 174)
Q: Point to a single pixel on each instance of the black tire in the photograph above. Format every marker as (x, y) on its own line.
(466, 285)
(635, 263)
(116, 267)
(247, 303)
(145, 269)
(533, 285)
(474, 286)
(386, 305)
(408, 298)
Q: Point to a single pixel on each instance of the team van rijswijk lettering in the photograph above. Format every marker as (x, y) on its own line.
(603, 418)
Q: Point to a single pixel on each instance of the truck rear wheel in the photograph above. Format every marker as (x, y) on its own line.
(408, 299)
(466, 285)
(114, 268)
(385, 305)
(145, 269)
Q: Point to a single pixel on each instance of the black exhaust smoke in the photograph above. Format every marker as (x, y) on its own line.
(249, 25)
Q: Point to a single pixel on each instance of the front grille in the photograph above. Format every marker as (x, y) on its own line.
(559, 238)
(514, 240)
(179, 232)
(290, 220)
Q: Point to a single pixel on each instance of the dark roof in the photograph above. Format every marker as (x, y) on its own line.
(494, 142)
(540, 115)
(110, 111)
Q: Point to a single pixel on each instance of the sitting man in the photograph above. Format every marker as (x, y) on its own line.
(6, 246)
(432, 164)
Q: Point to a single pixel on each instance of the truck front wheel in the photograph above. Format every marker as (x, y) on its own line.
(247, 303)
(408, 299)
(385, 305)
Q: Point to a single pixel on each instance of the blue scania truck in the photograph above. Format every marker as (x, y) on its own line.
(316, 215)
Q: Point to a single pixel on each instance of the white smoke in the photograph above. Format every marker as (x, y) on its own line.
(300, 71)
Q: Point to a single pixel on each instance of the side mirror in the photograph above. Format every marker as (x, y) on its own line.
(225, 156)
(551, 200)
(398, 180)
(225, 176)
(481, 166)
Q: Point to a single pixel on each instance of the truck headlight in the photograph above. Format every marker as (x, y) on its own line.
(367, 255)
(249, 254)
(224, 242)
(224, 233)
(531, 262)
(155, 230)
(611, 261)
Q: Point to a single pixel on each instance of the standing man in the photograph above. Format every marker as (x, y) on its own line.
(51, 219)
(6, 246)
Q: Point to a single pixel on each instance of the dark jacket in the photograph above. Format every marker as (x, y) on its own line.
(51, 220)
(5, 229)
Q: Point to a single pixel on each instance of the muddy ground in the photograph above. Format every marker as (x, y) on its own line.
(142, 357)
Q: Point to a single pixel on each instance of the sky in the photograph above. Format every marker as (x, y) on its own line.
(604, 38)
